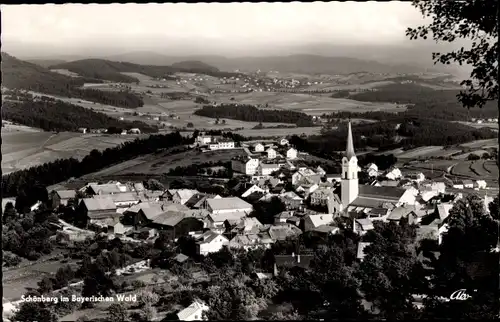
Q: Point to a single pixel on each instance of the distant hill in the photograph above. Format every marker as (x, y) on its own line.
(19, 74)
(45, 62)
(111, 70)
(309, 64)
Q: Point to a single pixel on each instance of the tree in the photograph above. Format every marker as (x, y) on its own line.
(190, 125)
(471, 20)
(265, 211)
(117, 313)
(35, 311)
(45, 285)
(154, 184)
(9, 212)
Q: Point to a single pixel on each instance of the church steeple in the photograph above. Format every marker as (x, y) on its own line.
(349, 151)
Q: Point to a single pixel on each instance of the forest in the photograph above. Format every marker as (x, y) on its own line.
(55, 115)
(18, 74)
(423, 102)
(402, 131)
(250, 113)
(29, 185)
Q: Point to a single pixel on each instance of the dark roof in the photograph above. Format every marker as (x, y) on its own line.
(392, 193)
(195, 200)
(293, 260)
(349, 153)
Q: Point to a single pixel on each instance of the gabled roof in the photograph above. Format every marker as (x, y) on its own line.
(444, 210)
(120, 197)
(386, 193)
(361, 249)
(366, 224)
(290, 195)
(96, 204)
(400, 212)
(231, 217)
(104, 188)
(186, 193)
(197, 307)
(318, 220)
(282, 231)
(209, 236)
(168, 218)
(228, 203)
(66, 194)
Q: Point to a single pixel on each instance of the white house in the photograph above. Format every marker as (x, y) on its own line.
(372, 170)
(314, 221)
(203, 140)
(228, 205)
(194, 312)
(458, 184)
(222, 145)
(271, 153)
(181, 196)
(468, 184)
(247, 166)
(258, 147)
(251, 190)
(265, 169)
(291, 154)
(284, 141)
(480, 184)
(393, 174)
(210, 242)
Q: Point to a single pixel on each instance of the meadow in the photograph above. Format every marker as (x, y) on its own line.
(25, 149)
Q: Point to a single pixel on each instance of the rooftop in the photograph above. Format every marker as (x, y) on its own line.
(228, 203)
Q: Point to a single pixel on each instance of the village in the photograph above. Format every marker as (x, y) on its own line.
(313, 202)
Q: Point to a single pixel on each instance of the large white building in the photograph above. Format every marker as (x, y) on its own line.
(221, 145)
(291, 154)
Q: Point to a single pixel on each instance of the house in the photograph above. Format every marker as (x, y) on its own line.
(104, 189)
(284, 142)
(194, 312)
(480, 184)
(176, 224)
(287, 261)
(245, 165)
(361, 250)
(416, 176)
(61, 197)
(372, 170)
(95, 210)
(258, 147)
(117, 228)
(248, 225)
(468, 184)
(362, 226)
(134, 131)
(443, 210)
(321, 196)
(291, 200)
(378, 214)
(400, 212)
(393, 174)
(307, 188)
(250, 241)
(320, 171)
(457, 184)
(271, 153)
(228, 205)
(283, 231)
(291, 154)
(222, 144)
(252, 189)
(210, 242)
(181, 196)
(301, 174)
(265, 169)
(121, 200)
(370, 197)
(313, 221)
(203, 139)
(438, 187)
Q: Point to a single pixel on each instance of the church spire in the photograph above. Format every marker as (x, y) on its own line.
(349, 152)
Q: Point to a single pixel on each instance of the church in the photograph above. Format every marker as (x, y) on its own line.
(353, 197)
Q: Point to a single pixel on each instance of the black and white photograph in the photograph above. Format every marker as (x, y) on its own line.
(250, 161)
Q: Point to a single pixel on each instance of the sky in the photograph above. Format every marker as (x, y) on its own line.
(216, 26)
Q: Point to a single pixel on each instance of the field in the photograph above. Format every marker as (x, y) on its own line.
(479, 169)
(280, 132)
(485, 144)
(163, 162)
(25, 149)
(493, 126)
(18, 281)
(309, 104)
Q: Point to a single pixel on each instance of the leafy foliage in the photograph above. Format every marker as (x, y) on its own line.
(474, 20)
(55, 115)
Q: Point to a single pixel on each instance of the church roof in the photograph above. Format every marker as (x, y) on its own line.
(381, 193)
(349, 152)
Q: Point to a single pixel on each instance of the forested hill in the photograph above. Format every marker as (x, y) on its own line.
(413, 132)
(54, 115)
(111, 70)
(250, 113)
(424, 102)
(19, 74)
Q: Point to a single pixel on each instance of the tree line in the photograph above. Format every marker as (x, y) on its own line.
(250, 113)
(422, 102)
(29, 185)
(54, 115)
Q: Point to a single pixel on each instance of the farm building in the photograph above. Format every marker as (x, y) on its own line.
(97, 210)
(210, 242)
(61, 197)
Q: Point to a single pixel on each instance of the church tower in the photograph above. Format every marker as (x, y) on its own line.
(349, 183)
